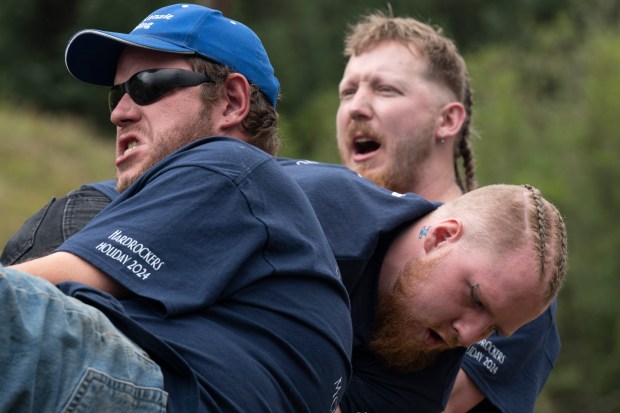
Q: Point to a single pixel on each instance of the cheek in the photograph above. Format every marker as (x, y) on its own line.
(396, 122)
(180, 115)
(439, 300)
(432, 305)
(341, 122)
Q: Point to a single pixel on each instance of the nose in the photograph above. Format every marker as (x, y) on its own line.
(125, 111)
(360, 105)
(473, 327)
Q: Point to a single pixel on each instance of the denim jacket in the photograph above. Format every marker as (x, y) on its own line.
(60, 218)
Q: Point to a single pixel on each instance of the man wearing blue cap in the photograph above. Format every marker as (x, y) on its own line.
(207, 285)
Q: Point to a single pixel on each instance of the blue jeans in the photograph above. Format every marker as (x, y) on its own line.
(58, 354)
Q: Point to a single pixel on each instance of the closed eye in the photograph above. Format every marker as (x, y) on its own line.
(478, 304)
(347, 92)
(385, 89)
(475, 300)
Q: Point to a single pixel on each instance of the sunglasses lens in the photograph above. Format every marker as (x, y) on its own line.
(114, 96)
(142, 92)
(148, 86)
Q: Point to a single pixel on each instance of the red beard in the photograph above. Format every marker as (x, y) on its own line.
(396, 338)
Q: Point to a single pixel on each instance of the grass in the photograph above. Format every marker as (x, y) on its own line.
(45, 155)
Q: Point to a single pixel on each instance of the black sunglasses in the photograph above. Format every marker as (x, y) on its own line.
(148, 86)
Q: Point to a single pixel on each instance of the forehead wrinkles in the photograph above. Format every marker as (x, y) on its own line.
(390, 62)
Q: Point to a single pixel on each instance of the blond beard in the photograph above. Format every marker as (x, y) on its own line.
(394, 339)
(406, 168)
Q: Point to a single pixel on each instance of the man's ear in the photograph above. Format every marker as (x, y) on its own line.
(453, 117)
(236, 95)
(443, 233)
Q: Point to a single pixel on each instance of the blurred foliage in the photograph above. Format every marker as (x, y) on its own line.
(303, 38)
(547, 113)
(547, 93)
(45, 155)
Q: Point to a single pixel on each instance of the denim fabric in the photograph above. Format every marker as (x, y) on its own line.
(58, 354)
(43, 232)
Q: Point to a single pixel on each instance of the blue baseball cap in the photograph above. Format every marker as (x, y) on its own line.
(92, 55)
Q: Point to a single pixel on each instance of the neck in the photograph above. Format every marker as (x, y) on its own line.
(441, 193)
(435, 179)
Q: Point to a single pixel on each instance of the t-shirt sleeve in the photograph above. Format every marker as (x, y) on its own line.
(511, 371)
(160, 242)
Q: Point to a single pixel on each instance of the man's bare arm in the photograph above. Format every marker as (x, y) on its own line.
(465, 395)
(63, 266)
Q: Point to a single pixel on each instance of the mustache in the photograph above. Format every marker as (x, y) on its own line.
(362, 128)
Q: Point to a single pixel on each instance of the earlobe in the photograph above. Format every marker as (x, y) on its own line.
(443, 233)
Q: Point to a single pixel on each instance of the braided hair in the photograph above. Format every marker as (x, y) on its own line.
(445, 66)
(551, 245)
(503, 218)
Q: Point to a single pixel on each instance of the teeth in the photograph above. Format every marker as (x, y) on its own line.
(131, 147)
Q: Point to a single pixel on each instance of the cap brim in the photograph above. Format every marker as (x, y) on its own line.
(92, 55)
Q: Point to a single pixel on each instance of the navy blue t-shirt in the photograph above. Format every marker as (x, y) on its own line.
(360, 221)
(511, 371)
(236, 294)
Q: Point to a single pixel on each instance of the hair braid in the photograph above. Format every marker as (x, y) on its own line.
(541, 221)
(463, 148)
(561, 263)
(446, 66)
(557, 246)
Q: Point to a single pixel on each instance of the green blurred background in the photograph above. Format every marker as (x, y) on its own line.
(546, 76)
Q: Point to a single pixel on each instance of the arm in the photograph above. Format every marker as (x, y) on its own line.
(465, 395)
(64, 266)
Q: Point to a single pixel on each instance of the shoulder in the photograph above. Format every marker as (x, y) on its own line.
(227, 158)
(336, 188)
(226, 154)
(107, 188)
(307, 171)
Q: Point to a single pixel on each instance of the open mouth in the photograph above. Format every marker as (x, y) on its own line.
(132, 145)
(364, 146)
